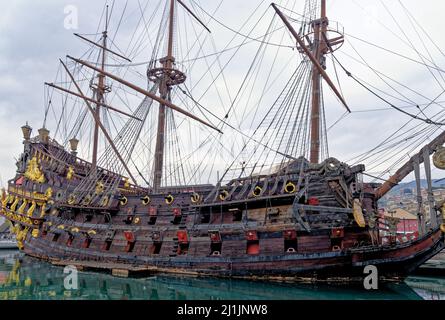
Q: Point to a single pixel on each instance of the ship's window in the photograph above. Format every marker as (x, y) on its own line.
(253, 247)
(152, 221)
(336, 244)
(107, 245)
(130, 246)
(56, 237)
(215, 248)
(156, 248)
(237, 215)
(86, 243)
(205, 218)
(183, 248)
(107, 218)
(302, 200)
(70, 240)
(128, 220)
(290, 246)
(177, 220)
(88, 218)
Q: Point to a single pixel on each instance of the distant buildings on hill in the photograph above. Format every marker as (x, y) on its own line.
(400, 209)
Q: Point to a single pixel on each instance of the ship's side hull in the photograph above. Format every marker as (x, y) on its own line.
(293, 225)
(392, 263)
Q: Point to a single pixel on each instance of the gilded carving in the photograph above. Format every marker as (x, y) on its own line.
(33, 171)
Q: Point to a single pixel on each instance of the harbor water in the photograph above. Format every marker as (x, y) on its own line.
(25, 278)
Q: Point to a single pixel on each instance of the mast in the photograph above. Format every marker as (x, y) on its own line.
(100, 93)
(167, 76)
(319, 50)
(164, 77)
(316, 52)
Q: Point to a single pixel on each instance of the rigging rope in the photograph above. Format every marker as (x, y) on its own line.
(428, 121)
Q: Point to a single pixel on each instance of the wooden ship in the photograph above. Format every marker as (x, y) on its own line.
(308, 217)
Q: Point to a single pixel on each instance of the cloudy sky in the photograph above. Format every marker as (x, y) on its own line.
(33, 36)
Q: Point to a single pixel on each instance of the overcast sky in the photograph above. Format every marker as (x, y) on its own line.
(33, 37)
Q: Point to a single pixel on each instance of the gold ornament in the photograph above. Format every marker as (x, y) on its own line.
(14, 205)
(33, 171)
(31, 209)
(49, 193)
(104, 202)
(70, 174)
(358, 213)
(99, 188)
(72, 199)
(439, 158)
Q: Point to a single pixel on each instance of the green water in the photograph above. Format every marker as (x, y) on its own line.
(24, 278)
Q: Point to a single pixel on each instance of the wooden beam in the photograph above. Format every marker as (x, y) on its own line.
(102, 47)
(52, 85)
(146, 93)
(408, 167)
(311, 56)
(193, 15)
(104, 131)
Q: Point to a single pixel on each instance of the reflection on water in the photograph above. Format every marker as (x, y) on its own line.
(26, 278)
(428, 288)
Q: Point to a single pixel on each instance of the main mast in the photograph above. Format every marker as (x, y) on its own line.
(165, 92)
(166, 77)
(319, 50)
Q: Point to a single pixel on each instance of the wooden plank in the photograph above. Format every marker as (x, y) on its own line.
(322, 208)
(272, 246)
(121, 273)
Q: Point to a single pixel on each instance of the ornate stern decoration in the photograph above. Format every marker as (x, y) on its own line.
(33, 171)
